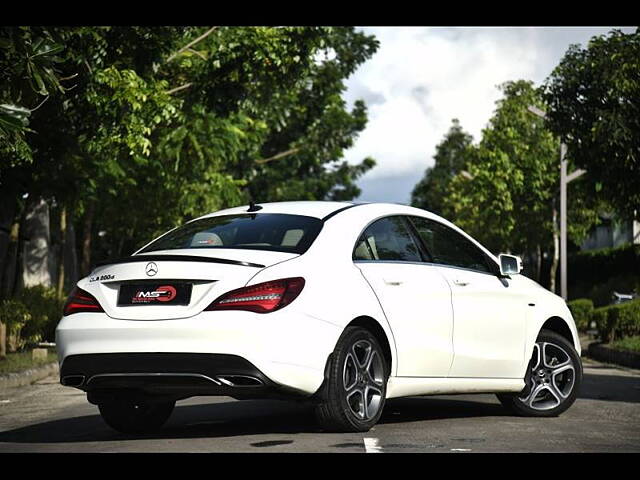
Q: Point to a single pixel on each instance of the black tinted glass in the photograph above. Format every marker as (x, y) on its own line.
(262, 231)
(387, 239)
(448, 247)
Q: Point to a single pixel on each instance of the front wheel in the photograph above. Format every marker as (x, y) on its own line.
(136, 417)
(355, 389)
(552, 380)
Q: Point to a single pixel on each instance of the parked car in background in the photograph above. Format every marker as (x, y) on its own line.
(622, 297)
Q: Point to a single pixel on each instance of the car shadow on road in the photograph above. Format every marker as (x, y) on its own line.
(417, 409)
(255, 417)
(230, 419)
(612, 388)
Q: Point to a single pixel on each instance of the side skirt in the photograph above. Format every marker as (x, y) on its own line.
(408, 386)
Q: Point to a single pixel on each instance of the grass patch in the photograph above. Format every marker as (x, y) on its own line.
(16, 362)
(629, 344)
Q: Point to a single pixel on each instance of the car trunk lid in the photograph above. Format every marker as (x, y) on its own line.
(198, 276)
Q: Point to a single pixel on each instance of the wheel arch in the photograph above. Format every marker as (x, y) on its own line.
(561, 327)
(377, 330)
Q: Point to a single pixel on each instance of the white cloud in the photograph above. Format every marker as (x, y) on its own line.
(421, 78)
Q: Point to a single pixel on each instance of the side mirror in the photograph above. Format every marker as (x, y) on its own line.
(509, 264)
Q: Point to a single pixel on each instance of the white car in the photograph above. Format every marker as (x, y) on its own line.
(340, 304)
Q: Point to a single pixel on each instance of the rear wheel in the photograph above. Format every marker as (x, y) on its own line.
(552, 381)
(355, 389)
(136, 417)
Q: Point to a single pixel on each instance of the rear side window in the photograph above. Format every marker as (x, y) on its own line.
(448, 247)
(387, 239)
(261, 231)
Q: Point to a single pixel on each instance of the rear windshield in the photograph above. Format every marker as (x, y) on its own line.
(257, 231)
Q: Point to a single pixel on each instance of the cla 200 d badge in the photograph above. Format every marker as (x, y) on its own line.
(337, 304)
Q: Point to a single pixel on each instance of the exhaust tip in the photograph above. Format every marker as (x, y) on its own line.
(240, 381)
(72, 380)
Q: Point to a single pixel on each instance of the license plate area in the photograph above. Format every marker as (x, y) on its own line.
(154, 293)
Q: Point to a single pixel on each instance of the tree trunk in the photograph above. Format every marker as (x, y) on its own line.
(36, 250)
(18, 241)
(3, 340)
(556, 252)
(538, 263)
(86, 240)
(7, 218)
(63, 237)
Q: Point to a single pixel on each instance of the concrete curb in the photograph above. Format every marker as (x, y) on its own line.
(27, 377)
(599, 352)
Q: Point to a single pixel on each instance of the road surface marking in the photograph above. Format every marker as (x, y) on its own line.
(460, 449)
(371, 445)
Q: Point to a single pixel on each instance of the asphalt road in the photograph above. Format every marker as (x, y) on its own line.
(46, 417)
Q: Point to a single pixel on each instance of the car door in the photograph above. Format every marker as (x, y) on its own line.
(489, 311)
(414, 295)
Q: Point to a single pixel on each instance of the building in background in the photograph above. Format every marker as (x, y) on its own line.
(612, 232)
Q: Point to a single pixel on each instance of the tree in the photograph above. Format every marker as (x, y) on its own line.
(159, 125)
(27, 77)
(594, 105)
(509, 198)
(452, 156)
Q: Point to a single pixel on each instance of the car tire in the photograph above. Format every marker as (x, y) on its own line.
(354, 392)
(136, 417)
(552, 385)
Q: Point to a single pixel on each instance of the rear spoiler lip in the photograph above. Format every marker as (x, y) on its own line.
(176, 258)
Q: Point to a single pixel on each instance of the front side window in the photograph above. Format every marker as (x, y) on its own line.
(448, 247)
(387, 239)
(261, 231)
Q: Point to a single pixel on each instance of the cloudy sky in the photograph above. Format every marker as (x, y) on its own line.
(421, 78)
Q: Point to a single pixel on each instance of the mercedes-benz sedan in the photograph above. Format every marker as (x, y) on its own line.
(339, 304)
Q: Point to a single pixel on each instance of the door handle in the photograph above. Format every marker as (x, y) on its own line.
(393, 282)
(461, 283)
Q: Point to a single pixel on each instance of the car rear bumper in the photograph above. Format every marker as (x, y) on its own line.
(106, 376)
(285, 351)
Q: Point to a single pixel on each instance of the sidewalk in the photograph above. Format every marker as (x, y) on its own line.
(595, 352)
(27, 377)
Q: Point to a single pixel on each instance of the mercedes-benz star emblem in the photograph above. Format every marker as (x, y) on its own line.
(151, 269)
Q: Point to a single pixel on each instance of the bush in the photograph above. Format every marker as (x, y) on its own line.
(46, 309)
(629, 344)
(581, 310)
(15, 315)
(617, 321)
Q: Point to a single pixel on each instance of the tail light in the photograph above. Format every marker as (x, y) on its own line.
(260, 298)
(81, 301)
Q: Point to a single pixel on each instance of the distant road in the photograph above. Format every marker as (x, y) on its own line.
(47, 417)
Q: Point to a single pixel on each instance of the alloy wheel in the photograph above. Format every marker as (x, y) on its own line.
(550, 379)
(362, 378)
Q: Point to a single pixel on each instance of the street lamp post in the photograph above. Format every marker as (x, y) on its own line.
(564, 180)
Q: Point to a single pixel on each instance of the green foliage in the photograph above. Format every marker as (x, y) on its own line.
(152, 132)
(17, 362)
(593, 97)
(629, 344)
(581, 310)
(15, 315)
(506, 203)
(452, 156)
(507, 196)
(617, 321)
(28, 58)
(45, 308)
